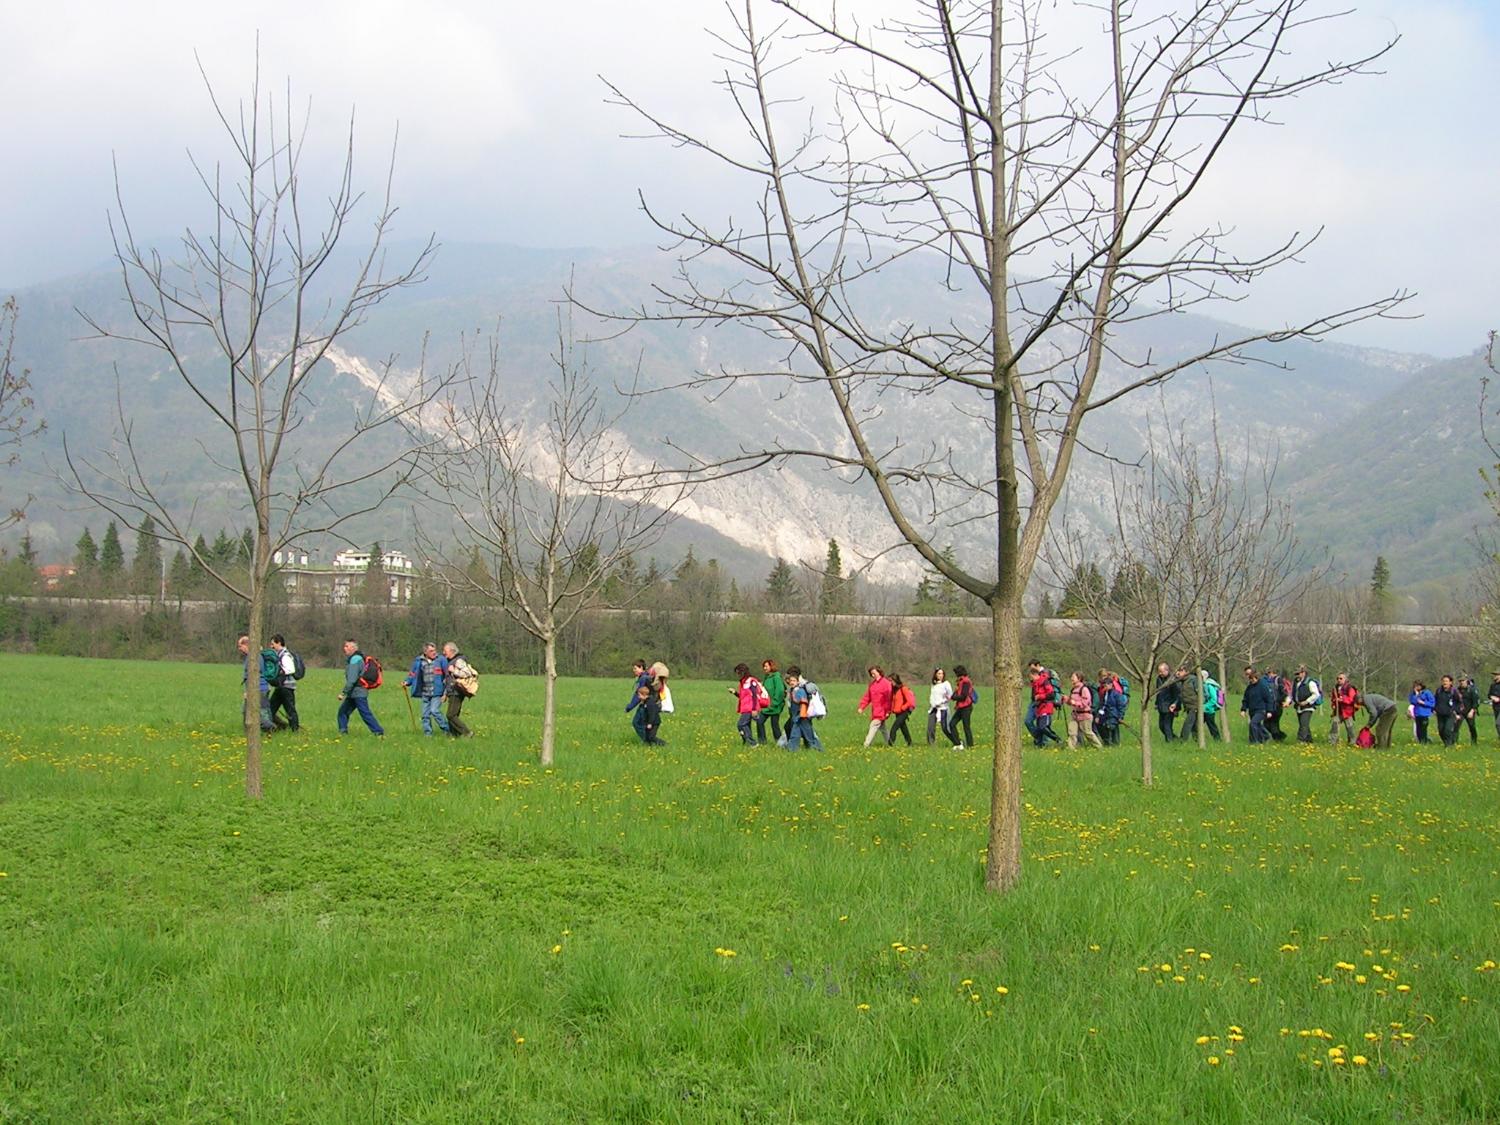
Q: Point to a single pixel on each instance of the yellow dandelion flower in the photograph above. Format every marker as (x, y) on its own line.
(1202, 1039)
(556, 949)
(862, 1007)
(1002, 990)
(1212, 1060)
(1360, 1060)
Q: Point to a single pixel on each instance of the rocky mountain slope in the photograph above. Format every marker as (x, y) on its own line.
(1336, 414)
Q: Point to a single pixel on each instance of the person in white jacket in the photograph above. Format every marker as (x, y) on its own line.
(937, 704)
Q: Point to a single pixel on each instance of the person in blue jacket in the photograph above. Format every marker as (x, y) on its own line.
(1112, 707)
(428, 681)
(639, 718)
(1422, 703)
(1257, 703)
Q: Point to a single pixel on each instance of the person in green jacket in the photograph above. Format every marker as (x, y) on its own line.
(1188, 694)
(775, 686)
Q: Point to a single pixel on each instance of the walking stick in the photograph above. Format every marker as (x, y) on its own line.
(411, 713)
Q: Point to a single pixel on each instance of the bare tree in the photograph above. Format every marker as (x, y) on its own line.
(549, 511)
(1244, 552)
(1030, 187)
(1148, 546)
(16, 421)
(246, 317)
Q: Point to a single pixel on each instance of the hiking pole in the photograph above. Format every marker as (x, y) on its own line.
(412, 713)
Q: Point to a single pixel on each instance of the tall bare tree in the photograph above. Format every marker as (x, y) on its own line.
(1148, 546)
(1026, 169)
(16, 420)
(548, 509)
(1245, 555)
(245, 317)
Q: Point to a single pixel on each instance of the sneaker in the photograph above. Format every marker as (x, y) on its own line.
(958, 746)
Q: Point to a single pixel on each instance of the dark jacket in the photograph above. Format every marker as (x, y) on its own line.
(1258, 696)
(1188, 693)
(1167, 695)
(1445, 702)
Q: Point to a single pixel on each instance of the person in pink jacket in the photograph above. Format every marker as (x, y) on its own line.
(1081, 713)
(750, 698)
(877, 698)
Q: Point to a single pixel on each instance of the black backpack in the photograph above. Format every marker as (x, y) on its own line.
(299, 669)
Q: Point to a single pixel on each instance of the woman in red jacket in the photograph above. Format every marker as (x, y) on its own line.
(877, 698)
(1045, 704)
(903, 703)
(962, 706)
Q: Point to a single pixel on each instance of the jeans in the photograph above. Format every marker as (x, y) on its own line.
(1304, 726)
(760, 726)
(1164, 722)
(801, 730)
(1042, 732)
(1384, 724)
(1211, 721)
(937, 719)
(1189, 731)
(285, 699)
(1421, 725)
(960, 715)
(1258, 730)
(743, 726)
(360, 703)
(898, 726)
(1030, 721)
(432, 712)
(456, 726)
(1448, 729)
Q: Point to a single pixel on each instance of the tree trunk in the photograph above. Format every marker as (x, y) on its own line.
(1202, 706)
(1002, 868)
(549, 697)
(1224, 687)
(1147, 713)
(255, 629)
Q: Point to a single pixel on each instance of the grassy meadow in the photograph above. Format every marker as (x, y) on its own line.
(439, 930)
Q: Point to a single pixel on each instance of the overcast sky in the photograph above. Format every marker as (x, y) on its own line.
(504, 134)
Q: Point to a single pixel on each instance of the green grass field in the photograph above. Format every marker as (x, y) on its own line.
(439, 930)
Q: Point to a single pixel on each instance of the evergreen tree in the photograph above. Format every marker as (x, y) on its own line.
(1046, 609)
(246, 547)
(1084, 589)
(145, 567)
(781, 586)
(200, 551)
(834, 597)
(686, 570)
(182, 579)
(28, 552)
(111, 553)
(377, 588)
(86, 553)
(924, 602)
(1380, 589)
(224, 549)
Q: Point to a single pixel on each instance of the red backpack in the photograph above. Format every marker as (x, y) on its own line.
(371, 676)
(1364, 739)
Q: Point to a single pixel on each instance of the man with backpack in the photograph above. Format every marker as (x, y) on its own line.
(1306, 696)
(263, 665)
(1278, 690)
(1256, 705)
(1382, 712)
(1469, 706)
(289, 669)
(427, 681)
(1345, 704)
(360, 675)
(1189, 692)
(463, 683)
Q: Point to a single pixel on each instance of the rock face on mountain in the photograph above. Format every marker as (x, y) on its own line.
(1380, 450)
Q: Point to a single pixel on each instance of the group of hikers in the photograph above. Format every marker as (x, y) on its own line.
(790, 704)
(442, 680)
(1094, 712)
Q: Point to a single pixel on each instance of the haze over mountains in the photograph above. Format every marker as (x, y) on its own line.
(1380, 450)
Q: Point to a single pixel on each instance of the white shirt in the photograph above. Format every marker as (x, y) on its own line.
(938, 695)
